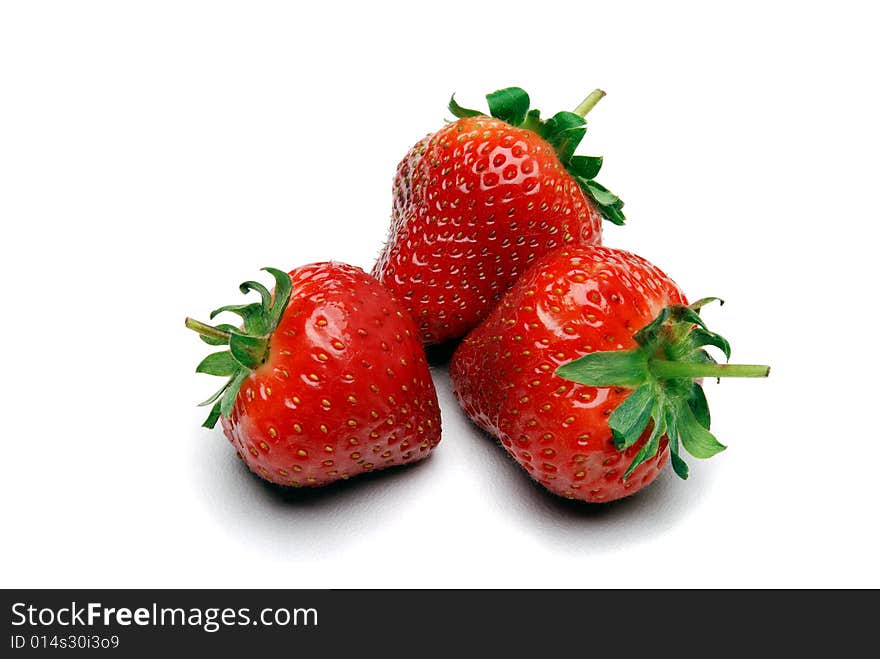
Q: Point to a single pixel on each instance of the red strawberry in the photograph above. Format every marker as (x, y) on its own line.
(327, 378)
(587, 372)
(476, 202)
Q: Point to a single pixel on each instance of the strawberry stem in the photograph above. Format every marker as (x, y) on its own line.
(589, 103)
(564, 131)
(667, 370)
(207, 330)
(663, 373)
(248, 344)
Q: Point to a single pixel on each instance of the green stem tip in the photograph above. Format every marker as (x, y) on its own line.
(589, 103)
(665, 369)
(206, 330)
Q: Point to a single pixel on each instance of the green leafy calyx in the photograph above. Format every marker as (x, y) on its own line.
(564, 131)
(248, 345)
(663, 373)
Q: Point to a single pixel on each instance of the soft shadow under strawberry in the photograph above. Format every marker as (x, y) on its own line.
(573, 509)
(539, 498)
(306, 496)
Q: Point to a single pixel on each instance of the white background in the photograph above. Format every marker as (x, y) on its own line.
(155, 154)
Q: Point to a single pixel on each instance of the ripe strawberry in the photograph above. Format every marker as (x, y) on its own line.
(327, 378)
(587, 372)
(479, 200)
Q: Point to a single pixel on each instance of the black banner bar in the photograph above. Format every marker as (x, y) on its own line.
(408, 623)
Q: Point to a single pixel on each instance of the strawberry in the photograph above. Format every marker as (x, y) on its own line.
(479, 200)
(588, 372)
(327, 378)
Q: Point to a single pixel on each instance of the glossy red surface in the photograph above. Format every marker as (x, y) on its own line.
(572, 302)
(345, 390)
(474, 205)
